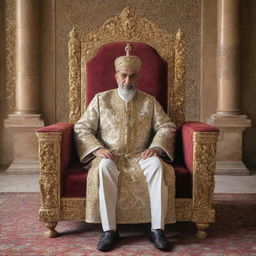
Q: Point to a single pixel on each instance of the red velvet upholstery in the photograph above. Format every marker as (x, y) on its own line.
(184, 141)
(68, 151)
(153, 76)
(74, 181)
(183, 181)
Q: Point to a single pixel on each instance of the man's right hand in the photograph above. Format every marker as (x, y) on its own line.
(104, 153)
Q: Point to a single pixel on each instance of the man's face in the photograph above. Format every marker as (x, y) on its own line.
(127, 79)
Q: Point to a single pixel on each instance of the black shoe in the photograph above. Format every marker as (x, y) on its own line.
(158, 238)
(107, 241)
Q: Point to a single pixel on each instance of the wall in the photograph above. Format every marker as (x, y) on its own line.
(87, 15)
(248, 78)
(196, 18)
(2, 75)
(208, 90)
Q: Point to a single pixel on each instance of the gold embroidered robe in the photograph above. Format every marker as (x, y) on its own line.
(127, 129)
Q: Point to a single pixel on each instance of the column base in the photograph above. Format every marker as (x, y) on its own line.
(23, 168)
(229, 145)
(236, 168)
(25, 147)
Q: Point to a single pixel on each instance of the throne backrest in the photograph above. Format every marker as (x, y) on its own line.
(153, 74)
(128, 27)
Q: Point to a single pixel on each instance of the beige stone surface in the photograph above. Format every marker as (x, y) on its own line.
(25, 146)
(27, 52)
(229, 146)
(228, 56)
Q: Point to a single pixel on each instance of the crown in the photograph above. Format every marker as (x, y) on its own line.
(128, 61)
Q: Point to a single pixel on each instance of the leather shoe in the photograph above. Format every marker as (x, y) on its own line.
(107, 241)
(158, 238)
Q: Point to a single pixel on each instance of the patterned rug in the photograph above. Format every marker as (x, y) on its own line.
(234, 232)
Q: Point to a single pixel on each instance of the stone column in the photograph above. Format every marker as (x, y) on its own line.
(228, 118)
(26, 118)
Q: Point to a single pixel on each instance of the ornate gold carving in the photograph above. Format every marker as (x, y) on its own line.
(51, 229)
(74, 55)
(48, 214)
(49, 160)
(176, 106)
(76, 204)
(183, 208)
(10, 55)
(201, 227)
(204, 216)
(127, 27)
(73, 208)
(204, 161)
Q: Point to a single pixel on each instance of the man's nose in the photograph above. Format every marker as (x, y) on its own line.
(127, 79)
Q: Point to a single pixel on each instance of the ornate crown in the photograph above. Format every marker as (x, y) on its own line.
(128, 61)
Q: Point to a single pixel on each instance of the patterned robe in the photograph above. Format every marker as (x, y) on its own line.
(127, 129)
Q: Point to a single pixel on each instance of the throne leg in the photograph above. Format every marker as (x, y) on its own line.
(201, 227)
(51, 232)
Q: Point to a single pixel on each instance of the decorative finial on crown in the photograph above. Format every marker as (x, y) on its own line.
(128, 61)
(128, 48)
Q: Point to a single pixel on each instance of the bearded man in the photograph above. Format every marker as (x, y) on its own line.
(126, 141)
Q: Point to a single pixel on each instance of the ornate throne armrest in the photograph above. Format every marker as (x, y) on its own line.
(199, 154)
(55, 153)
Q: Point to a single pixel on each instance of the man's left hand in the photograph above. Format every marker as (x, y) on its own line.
(149, 153)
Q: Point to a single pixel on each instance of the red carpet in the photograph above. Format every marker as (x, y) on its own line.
(234, 232)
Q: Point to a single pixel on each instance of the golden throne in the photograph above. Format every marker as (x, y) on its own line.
(62, 178)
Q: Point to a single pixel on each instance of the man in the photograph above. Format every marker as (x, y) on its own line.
(123, 137)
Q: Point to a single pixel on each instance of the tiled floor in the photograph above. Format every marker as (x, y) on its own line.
(223, 183)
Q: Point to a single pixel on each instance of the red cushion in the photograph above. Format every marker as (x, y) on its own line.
(184, 142)
(74, 181)
(68, 151)
(183, 182)
(153, 77)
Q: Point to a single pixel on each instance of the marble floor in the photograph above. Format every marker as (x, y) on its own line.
(223, 183)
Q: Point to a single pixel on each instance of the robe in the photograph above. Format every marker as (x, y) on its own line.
(127, 129)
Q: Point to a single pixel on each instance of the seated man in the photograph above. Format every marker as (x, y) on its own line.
(123, 133)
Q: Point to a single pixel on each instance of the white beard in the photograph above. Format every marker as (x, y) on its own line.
(126, 94)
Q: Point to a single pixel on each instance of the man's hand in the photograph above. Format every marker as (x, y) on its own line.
(104, 153)
(148, 153)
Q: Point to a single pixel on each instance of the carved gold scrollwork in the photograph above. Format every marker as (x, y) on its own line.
(74, 53)
(183, 208)
(73, 209)
(127, 27)
(176, 106)
(204, 216)
(49, 160)
(203, 169)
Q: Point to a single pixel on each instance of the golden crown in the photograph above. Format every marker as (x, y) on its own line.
(128, 61)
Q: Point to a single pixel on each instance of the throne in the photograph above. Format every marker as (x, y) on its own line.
(91, 57)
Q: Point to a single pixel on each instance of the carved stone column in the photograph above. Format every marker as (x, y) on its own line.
(26, 118)
(228, 118)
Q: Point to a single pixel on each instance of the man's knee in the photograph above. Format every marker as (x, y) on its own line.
(152, 168)
(156, 162)
(107, 165)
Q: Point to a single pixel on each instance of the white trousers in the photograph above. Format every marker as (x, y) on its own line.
(158, 191)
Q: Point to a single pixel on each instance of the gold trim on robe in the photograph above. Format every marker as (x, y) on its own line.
(127, 129)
